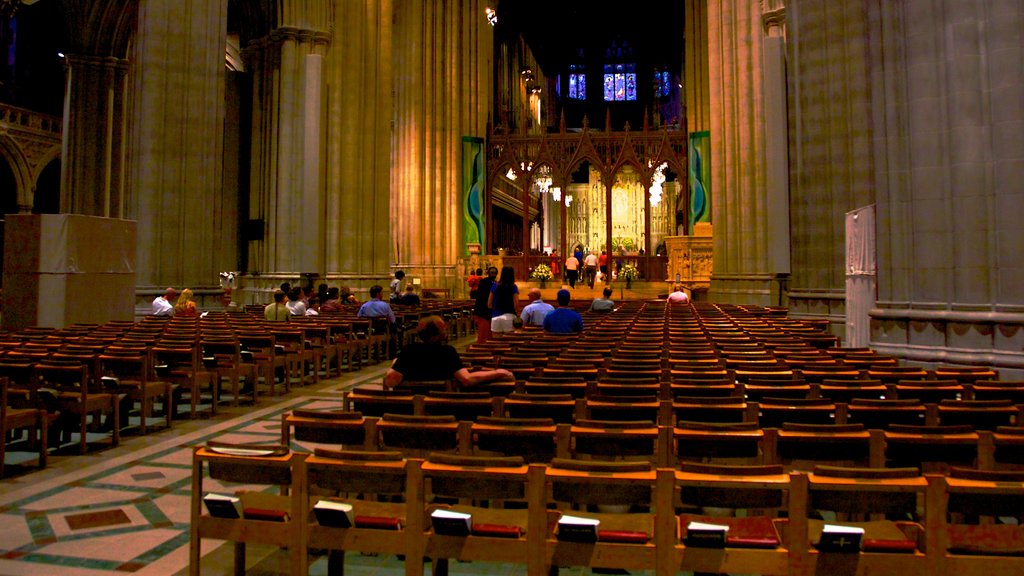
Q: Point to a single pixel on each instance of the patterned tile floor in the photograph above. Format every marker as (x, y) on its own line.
(126, 509)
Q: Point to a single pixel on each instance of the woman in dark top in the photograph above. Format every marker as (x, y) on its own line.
(504, 301)
(481, 309)
(433, 359)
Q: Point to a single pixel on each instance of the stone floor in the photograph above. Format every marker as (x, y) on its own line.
(126, 509)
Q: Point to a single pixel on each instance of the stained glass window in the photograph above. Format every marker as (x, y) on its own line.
(619, 82)
(609, 83)
(666, 83)
(577, 82)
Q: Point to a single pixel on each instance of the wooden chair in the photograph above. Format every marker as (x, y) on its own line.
(338, 429)
(1002, 449)
(965, 374)
(604, 440)
(560, 408)
(464, 406)
(718, 442)
(532, 439)
(927, 391)
(497, 534)
(801, 446)
(181, 366)
(417, 436)
(962, 535)
(267, 519)
(707, 409)
(374, 484)
(847, 390)
(623, 407)
(776, 412)
(882, 414)
(77, 402)
(979, 414)
(374, 400)
(13, 419)
(224, 358)
(929, 448)
(262, 347)
(753, 543)
(620, 495)
(859, 497)
(132, 375)
(1012, 390)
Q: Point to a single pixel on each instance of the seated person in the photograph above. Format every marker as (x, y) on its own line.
(331, 303)
(603, 304)
(563, 320)
(375, 307)
(162, 305)
(410, 298)
(278, 311)
(295, 305)
(533, 313)
(678, 295)
(314, 306)
(433, 359)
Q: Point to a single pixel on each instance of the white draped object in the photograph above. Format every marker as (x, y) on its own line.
(861, 275)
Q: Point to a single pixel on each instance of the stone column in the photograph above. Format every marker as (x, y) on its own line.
(288, 148)
(358, 148)
(176, 143)
(442, 76)
(947, 88)
(743, 272)
(93, 148)
(830, 158)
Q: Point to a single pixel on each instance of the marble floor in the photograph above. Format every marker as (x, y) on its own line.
(125, 509)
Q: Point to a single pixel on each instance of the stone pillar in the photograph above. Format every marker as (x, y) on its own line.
(358, 148)
(442, 76)
(93, 148)
(947, 88)
(288, 145)
(830, 157)
(695, 72)
(176, 143)
(743, 272)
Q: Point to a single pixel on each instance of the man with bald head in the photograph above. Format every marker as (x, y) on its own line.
(163, 305)
(533, 313)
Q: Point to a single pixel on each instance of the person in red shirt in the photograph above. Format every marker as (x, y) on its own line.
(602, 264)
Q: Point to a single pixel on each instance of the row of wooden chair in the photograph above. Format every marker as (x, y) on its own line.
(643, 514)
(566, 402)
(541, 439)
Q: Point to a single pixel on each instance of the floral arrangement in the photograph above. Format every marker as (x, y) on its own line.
(629, 272)
(542, 272)
(227, 279)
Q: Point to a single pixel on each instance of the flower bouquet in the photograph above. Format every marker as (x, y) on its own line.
(542, 272)
(629, 272)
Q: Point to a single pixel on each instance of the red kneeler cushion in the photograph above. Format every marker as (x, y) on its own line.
(752, 532)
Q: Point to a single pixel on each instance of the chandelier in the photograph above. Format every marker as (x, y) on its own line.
(543, 179)
(658, 180)
(8, 8)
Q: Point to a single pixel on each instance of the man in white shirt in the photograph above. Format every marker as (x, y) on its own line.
(590, 264)
(163, 305)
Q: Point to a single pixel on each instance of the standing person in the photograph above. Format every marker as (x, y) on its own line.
(185, 306)
(572, 270)
(432, 359)
(162, 304)
(396, 286)
(504, 300)
(277, 311)
(473, 281)
(556, 264)
(481, 310)
(533, 313)
(604, 303)
(590, 263)
(602, 264)
(563, 320)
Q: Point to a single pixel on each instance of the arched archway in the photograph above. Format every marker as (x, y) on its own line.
(47, 195)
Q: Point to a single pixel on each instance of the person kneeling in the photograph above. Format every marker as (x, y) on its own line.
(432, 359)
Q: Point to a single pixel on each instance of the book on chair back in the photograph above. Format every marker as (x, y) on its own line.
(334, 514)
(451, 523)
(223, 506)
(577, 529)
